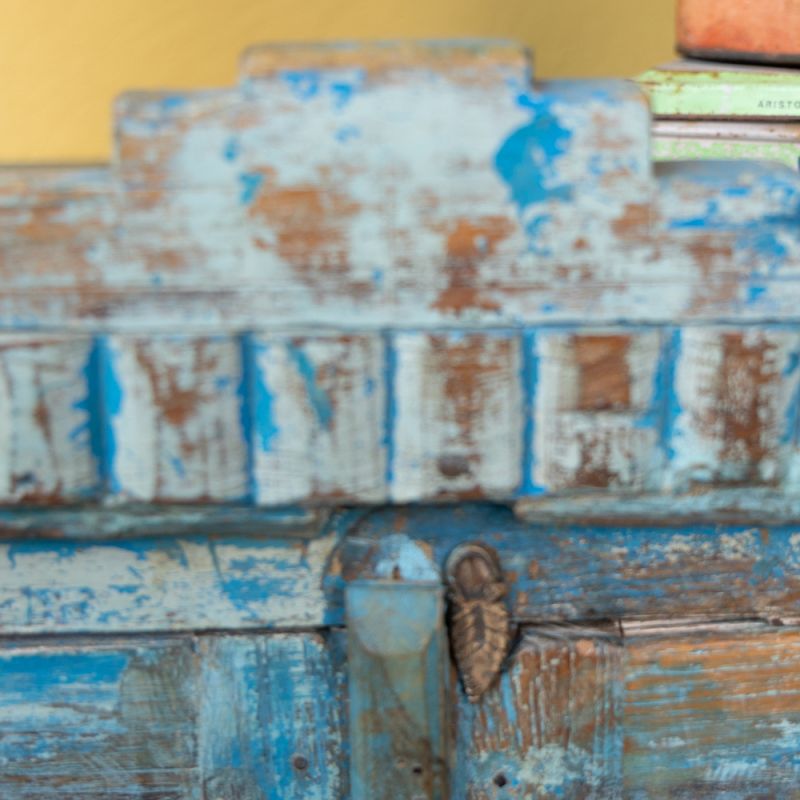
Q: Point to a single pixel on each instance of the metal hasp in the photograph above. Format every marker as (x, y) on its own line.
(399, 691)
(480, 632)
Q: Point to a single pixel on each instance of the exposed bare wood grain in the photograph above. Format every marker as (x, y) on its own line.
(553, 727)
(715, 715)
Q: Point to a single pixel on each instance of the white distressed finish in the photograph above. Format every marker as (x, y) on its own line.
(735, 399)
(46, 452)
(165, 584)
(457, 415)
(318, 424)
(176, 418)
(596, 415)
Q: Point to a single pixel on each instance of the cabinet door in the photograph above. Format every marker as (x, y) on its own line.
(702, 712)
(312, 661)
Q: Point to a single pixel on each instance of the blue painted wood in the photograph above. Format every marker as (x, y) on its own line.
(400, 698)
(318, 420)
(561, 571)
(504, 303)
(278, 581)
(553, 726)
(273, 717)
(99, 719)
(712, 714)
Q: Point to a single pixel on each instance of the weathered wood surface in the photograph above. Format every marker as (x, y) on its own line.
(165, 583)
(48, 445)
(457, 416)
(270, 419)
(395, 272)
(399, 692)
(574, 572)
(712, 716)
(317, 418)
(553, 727)
(126, 522)
(652, 711)
(174, 719)
(284, 578)
(673, 712)
(431, 183)
(99, 720)
(273, 717)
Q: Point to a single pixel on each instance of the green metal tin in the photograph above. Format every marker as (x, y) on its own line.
(702, 90)
(712, 111)
(684, 140)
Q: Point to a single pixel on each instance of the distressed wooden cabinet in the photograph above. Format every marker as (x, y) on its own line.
(304, 338)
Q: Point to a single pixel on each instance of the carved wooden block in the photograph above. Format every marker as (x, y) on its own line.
(317, 424)
(174, 407)
(457, 415)
(735, 418)
(49, 447)
(597, 414)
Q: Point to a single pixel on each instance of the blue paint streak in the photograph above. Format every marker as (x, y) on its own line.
(265, 427)
(530, 382)
(764, 236)
(320, 402)
(304, 84)
(102, 404)
(791, 430)
(754, 293)
(178, 466)
(43, 677)
(344, 91)
(251, 183)
(664, 408)
(668, 392)
(247, 410)
(172, 102)
(231, 151)
(248, 581)
(390, 415)
(527, 159)
(347, 133)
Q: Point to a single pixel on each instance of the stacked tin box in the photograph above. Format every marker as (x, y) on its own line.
(736, 92)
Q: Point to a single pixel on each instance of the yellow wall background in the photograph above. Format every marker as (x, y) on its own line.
(63, 61)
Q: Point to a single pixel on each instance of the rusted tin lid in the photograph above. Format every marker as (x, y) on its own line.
(707, 90)
(762, 31)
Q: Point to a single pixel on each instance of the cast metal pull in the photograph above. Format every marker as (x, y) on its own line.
(479, 621)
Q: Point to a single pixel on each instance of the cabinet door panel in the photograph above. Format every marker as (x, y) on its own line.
(716, 715)
(114, 721)
(658, 712)
(174, 718)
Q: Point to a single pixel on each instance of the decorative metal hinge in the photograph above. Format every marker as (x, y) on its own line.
(479, 620)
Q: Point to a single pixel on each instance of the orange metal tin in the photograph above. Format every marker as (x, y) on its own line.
(745, 30)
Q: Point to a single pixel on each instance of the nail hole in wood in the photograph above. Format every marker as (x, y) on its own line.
(417, 769)
(300, 763)
(500, 779)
